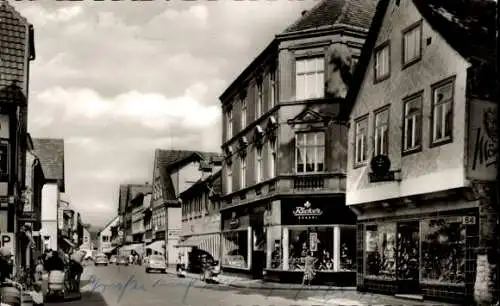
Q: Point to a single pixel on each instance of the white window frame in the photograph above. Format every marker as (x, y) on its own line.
(315, 146)
(318, 84)
(272, 158)
(229, 123)
(229, 181)
(272, 87)
(260, 101)
(243, 172)
(382, 58)
(243, 113)
(416, 124)
(412, 41)
(379, 129)
(360, 141)
(442, 106)
(259, 167)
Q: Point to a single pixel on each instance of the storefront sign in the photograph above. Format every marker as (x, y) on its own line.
(483, 140)
(314, 211)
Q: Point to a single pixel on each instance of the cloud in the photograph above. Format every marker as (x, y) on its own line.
(117, 79)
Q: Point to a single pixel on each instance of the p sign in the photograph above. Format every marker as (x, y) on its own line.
(7, 240)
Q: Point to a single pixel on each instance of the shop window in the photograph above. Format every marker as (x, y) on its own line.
(347, 249)
(380, 251)
(276, 255)
(235, 249)
(319, 241)
(443, 251)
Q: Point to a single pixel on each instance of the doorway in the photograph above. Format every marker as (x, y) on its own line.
(408, 257)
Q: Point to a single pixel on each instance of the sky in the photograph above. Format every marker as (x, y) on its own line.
(117, 79)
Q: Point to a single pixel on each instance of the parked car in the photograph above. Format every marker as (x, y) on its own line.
(101, 260)
(112, 260)
(156, 263)
(122, 260)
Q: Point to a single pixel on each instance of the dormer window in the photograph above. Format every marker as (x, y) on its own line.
(382, 62)
(412, 44)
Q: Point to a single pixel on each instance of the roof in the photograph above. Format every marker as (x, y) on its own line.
(214, 180)
(51, 155)
(169, 160)
(327, 13)
(468, 26)
(108, 224)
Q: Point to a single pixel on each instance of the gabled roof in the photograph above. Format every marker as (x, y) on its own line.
(327, 13)
(115, 219)
(213, 180)
(170, 160)
(51, 155)
(468, 26)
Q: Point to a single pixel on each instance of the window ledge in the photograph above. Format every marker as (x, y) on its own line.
(411, 151)
(441, 142)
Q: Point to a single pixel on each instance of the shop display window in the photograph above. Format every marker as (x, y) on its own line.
(235, 249)
(443, 251)
(276, 255)
(347, 249)
(317, 240)
(380, 251)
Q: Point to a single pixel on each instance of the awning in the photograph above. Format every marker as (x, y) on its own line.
(109, 250)
(156, 246)
(207, 243)
(138, 247)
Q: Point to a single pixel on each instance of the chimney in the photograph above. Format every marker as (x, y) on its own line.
(303, 12)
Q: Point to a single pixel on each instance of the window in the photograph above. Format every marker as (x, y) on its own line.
(243, 172)
(309, 78)
(272, 86)
(229, 131)
(412, 44)
(235, 249)
(310, 148)
(318, 240)
(258, 165)
(382, 62)
(258, 108)
(361, 135)
(347, 249)
(381, 136)
(243, 113)
(229, 181)
(443, 250)
(272, 158)
(442, 107)
(412, 124)
(380, 251)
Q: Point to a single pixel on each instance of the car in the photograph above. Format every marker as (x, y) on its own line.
(122, 261)
(156, 263)
(112, 260)
(101, 260)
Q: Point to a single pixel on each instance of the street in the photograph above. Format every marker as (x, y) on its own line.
(130, 285)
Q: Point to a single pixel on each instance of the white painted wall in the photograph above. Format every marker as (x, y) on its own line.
(103, 245)
(50, 198)
(49, 228)
(183, 178)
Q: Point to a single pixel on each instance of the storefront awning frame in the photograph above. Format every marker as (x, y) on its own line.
(156, 246)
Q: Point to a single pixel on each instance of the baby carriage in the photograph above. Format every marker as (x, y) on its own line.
(57, 288)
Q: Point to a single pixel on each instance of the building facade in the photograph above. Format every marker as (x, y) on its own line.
(104, 244)
(285, 153)
(174, 171)
(51, 155)
(422, 151)
(201, 215)
(87, 243)
(17, 51)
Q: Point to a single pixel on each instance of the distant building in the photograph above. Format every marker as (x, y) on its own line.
(104, 244)
(51, 155)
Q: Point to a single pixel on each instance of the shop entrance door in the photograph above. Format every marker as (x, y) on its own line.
(407, 257)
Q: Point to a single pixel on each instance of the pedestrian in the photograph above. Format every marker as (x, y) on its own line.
(6, 267)
(39, 269)
(37, 295)
(76, 268)
(309, 262)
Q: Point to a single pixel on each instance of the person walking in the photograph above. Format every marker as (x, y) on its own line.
(309, 262)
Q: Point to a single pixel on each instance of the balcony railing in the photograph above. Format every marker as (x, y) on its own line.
(308, 182)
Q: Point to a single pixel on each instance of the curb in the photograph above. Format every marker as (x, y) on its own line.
(272, 286)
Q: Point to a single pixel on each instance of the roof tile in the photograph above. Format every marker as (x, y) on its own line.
(51, 155)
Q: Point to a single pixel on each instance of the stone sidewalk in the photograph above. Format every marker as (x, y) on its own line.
(241, 282)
